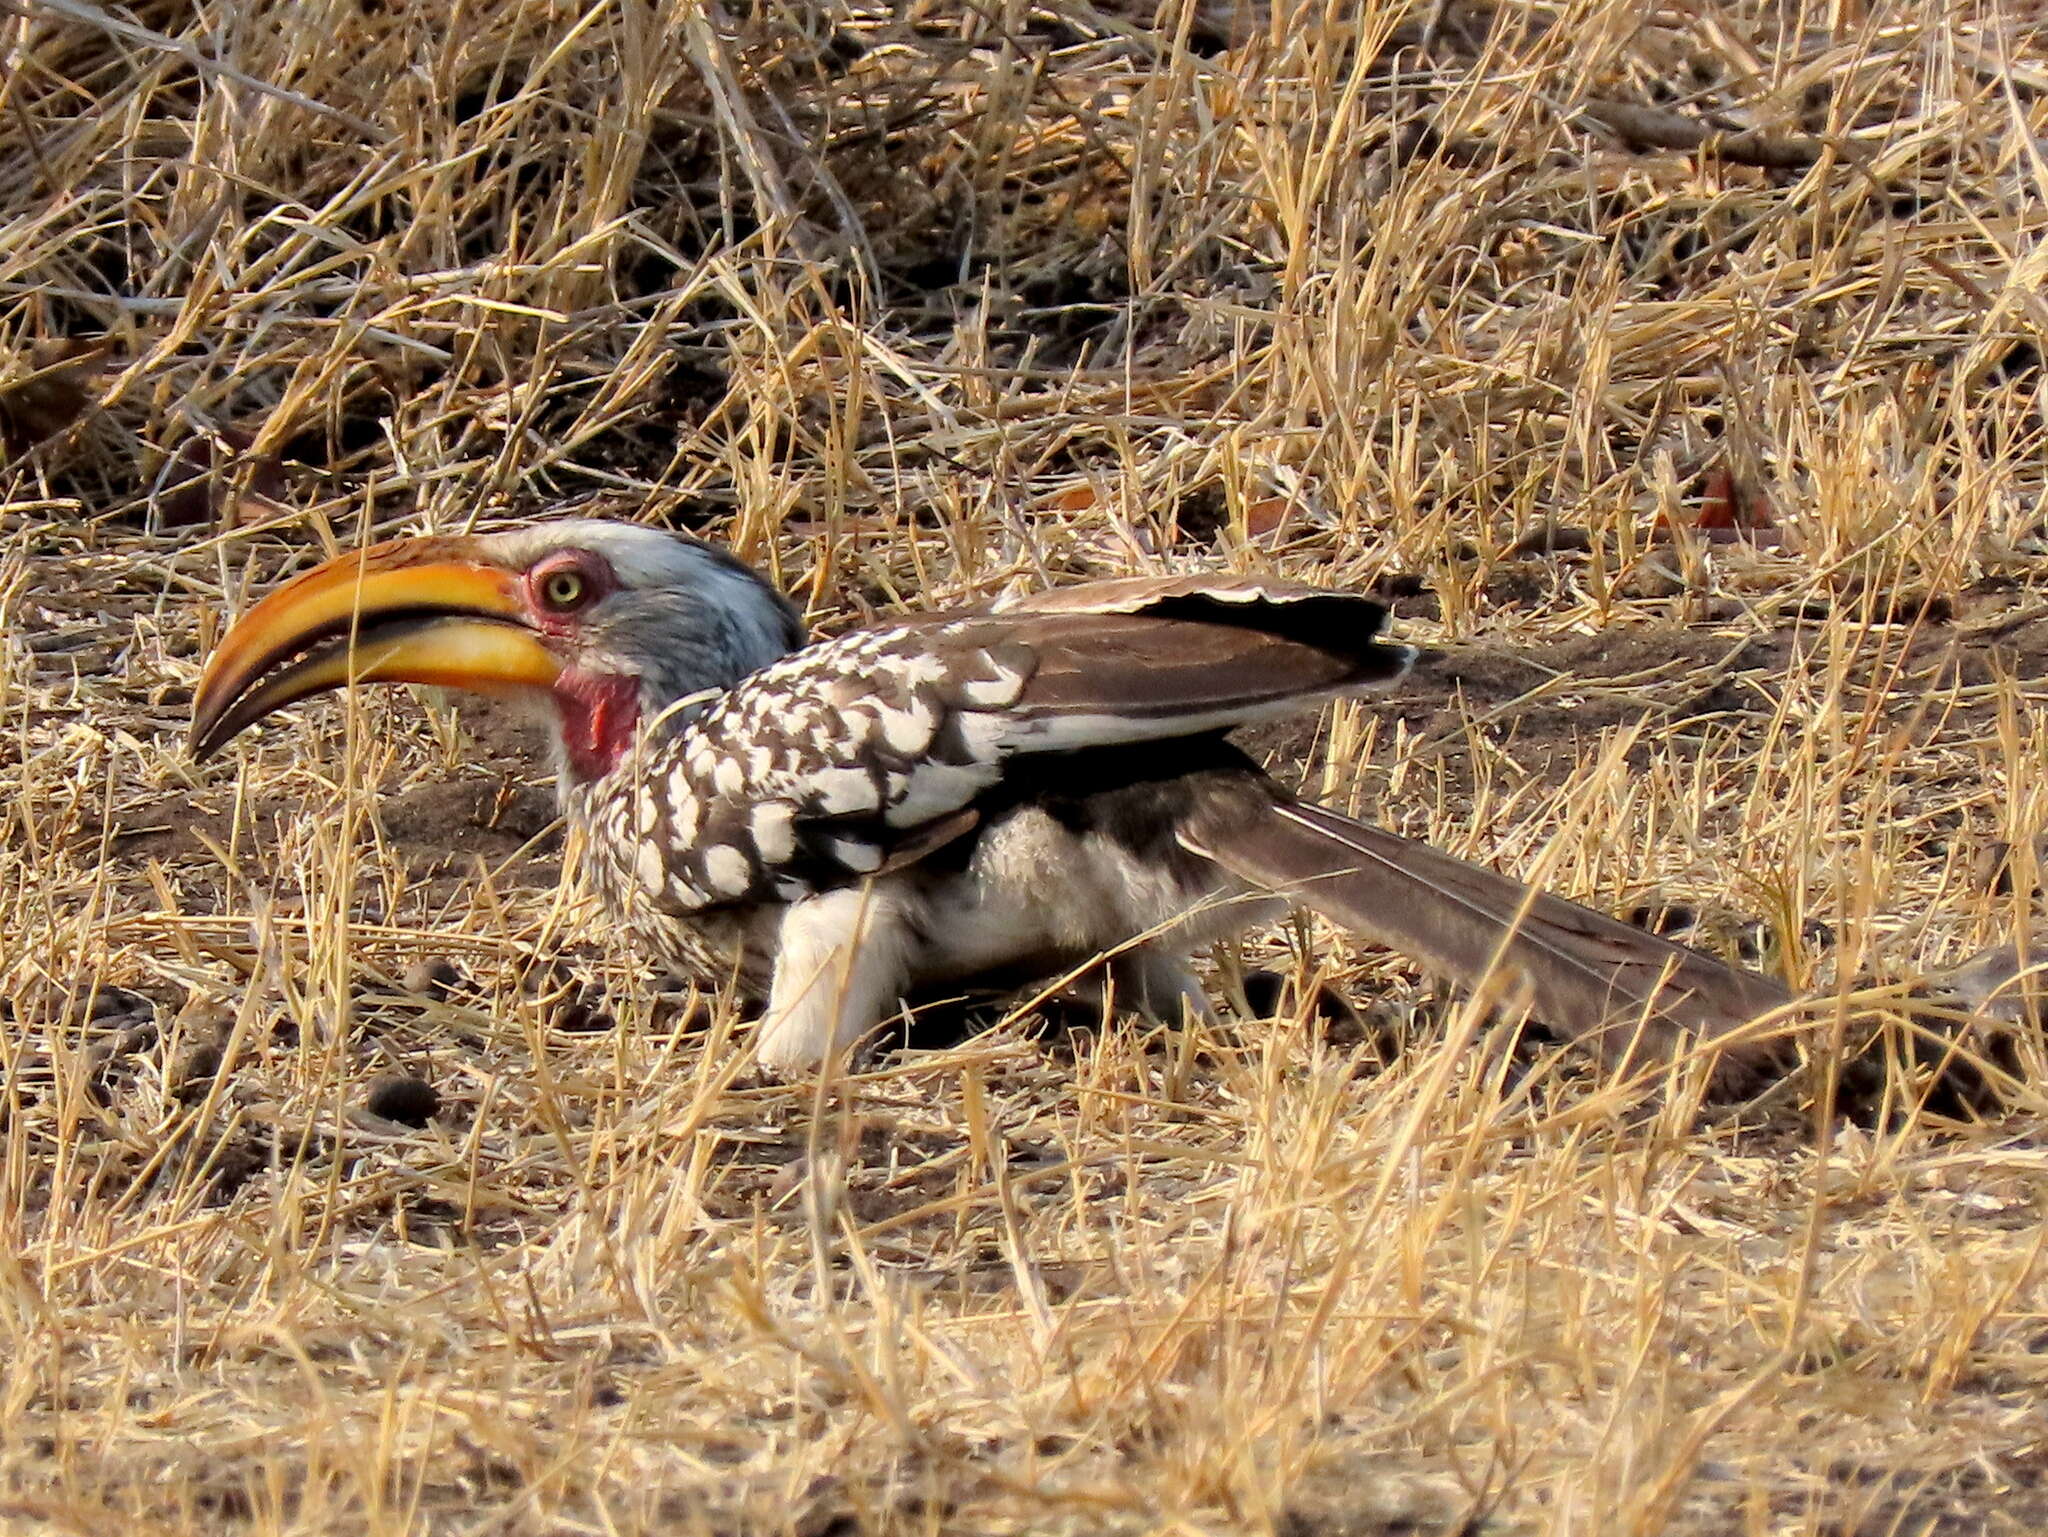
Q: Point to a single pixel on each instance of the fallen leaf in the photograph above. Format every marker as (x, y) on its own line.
(1266, 516)
(197, 483)
(1717, 503)
(51, 397)
(1727, 511)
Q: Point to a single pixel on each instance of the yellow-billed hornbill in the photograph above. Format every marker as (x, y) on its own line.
(991, 793)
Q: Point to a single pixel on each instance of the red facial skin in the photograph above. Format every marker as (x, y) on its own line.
(598, 712)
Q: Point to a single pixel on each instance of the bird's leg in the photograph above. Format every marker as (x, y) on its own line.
(1159, 982)
(842, 959)
(1152, 979)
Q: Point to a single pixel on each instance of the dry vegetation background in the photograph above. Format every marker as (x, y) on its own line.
(1676, 367)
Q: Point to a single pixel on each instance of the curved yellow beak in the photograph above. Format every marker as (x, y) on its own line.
(410, 611)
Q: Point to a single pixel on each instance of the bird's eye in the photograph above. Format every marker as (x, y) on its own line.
(564, 590)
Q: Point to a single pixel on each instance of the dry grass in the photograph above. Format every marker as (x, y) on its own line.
(914, 305)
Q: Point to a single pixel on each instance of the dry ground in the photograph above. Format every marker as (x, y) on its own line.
(1738, 306)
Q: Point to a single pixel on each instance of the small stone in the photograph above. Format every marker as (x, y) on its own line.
(118, 1002)
(193, 1076)
(1547, 538)
(788, 1180)
(677, 1005)
(210, 1021)
(107, 1059)
(1889, 606)
(581, 1012)
(1992, 870)
(403, 1098)
(431, 976)
(234, 1167)
(544, 974)
(1648, 581)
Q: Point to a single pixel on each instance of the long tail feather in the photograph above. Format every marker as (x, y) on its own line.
(1611, 985)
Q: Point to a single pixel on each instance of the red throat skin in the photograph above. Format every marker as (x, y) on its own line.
(598, 713)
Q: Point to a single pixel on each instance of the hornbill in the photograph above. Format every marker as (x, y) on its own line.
(990, 793)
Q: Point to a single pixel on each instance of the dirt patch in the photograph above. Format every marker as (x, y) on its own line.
(494, 818)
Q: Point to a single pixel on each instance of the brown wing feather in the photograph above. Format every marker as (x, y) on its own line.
(1203, 652)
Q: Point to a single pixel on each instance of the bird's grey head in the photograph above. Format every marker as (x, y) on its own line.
(602, 625)
(624, 600)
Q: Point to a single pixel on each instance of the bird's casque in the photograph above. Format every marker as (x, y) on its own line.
(999, 793)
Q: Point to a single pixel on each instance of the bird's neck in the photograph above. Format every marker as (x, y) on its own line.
(653, 676)
(600, 716)
(597, 716)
